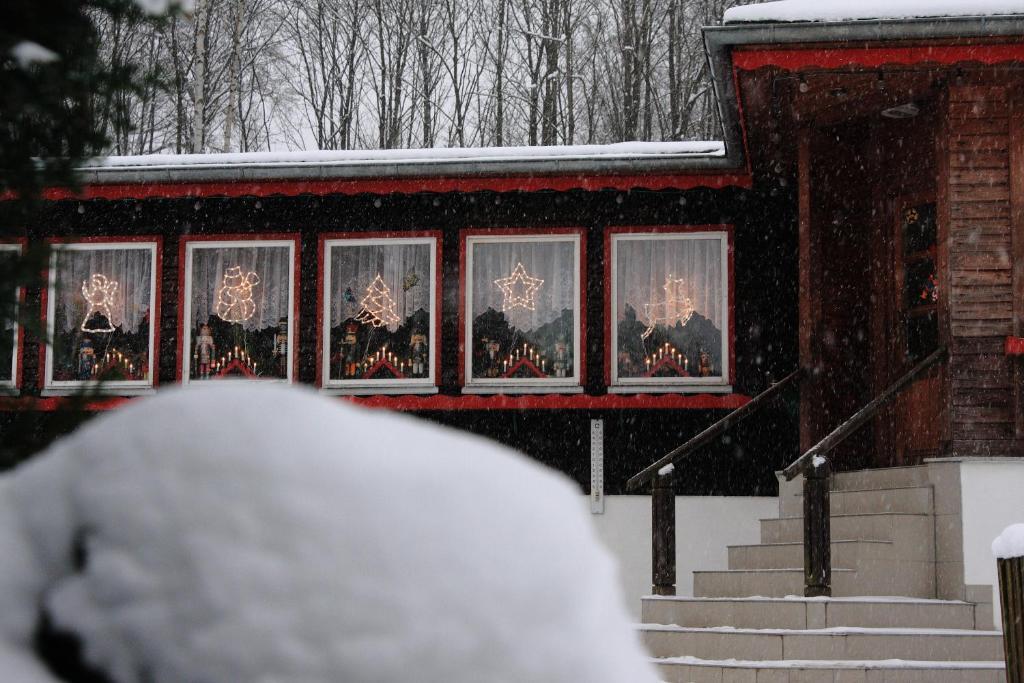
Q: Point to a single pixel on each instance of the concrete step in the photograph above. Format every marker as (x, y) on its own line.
(879, 578)
(693, 670)
(845, 554)
(910, 500)
(885, 478)
(823, 644)
(769, 583)
(803, 613)
(916, 530)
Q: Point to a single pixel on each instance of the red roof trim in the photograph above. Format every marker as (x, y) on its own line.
(290, 188)
(825, 57)
(471, 402)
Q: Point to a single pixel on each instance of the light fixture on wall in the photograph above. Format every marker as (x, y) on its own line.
(902, 111)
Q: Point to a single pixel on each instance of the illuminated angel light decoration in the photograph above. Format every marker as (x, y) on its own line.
(378, 308)
(99, 292)
(519, 279)
(234, 298)
(676, 307)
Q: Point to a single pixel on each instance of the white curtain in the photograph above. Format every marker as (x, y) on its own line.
(270, 263)
(550, 261)
(404, 269)
(132, 269)
(643, 266)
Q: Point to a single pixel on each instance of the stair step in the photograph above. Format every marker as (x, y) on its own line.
(916, 530)
(801, 613)
(694, 670)
(769, 583)
(823, 644)
(883, 577)
(907, 500)
(885, 478)
(785, 555)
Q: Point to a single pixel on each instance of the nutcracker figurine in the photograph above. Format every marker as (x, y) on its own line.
(205, 352)
(705, 364)
(561, 365)
(281, 347)
(86, 359)
(491, 349)
(418, 352)
(349, 351)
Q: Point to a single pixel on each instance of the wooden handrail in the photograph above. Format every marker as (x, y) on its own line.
(648, 474)
(840, 433)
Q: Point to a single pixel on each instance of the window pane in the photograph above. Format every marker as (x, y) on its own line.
(101, 314)
(239, 311)
(523, 313)
(8, 325)
(380, 309)
(669, 313)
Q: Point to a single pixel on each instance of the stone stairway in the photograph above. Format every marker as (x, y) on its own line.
(883, 623)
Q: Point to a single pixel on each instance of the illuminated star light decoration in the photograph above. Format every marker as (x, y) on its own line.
(508, 286)
(234, 298)
(676, 306)
(378, 308)
(99, 292)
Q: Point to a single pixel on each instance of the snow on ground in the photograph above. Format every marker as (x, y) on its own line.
(1010, 543)
(843, 10)
(264, 533)
(621, 150)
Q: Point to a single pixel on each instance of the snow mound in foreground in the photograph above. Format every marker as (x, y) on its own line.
(244, 533)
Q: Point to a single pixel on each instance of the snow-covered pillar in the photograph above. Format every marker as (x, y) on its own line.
(1009, 552)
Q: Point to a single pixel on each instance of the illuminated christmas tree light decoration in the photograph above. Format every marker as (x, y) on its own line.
(676, 307)
(378, 308)
(234, 298)
(519, 279)
(99, 292)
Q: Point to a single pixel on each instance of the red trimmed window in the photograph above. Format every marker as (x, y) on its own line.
(9, 331)
(669, 311)
(99, 313)
(239, 309)
(379, 314)
(522, 312)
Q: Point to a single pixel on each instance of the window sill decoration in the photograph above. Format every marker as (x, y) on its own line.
(522, 324)
(379, 314)
(99, 302)
(669, 313)
(239, 308)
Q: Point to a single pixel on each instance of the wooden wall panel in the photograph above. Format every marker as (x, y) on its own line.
(981, 299)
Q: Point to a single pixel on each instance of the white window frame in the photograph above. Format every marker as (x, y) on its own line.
(528, 385)
(670, 384)
(186, 312)
(413, 385)
(12, 383)
(117, 387)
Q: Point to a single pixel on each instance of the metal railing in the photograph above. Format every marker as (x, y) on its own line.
(816, 466)
(659, 474)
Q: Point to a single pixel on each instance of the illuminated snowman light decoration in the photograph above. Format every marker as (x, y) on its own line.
(99, 292)
(234, 299)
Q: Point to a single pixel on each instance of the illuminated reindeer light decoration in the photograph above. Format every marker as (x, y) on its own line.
(677, 306)
(99, 292)
(234, 298)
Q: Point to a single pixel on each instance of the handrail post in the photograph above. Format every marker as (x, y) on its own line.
(663, 535)
(817, 529)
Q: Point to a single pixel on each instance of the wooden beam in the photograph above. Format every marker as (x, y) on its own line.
(1016, 182)
(809, 257)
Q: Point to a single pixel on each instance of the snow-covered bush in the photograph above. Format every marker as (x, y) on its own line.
(244, 533)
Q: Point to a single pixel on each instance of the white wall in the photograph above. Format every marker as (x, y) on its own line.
(993, 498)
(705, 525)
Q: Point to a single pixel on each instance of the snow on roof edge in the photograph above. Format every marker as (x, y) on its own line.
(623, 150)
(828, 11)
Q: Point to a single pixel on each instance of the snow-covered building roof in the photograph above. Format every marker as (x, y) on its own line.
(865, 10)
